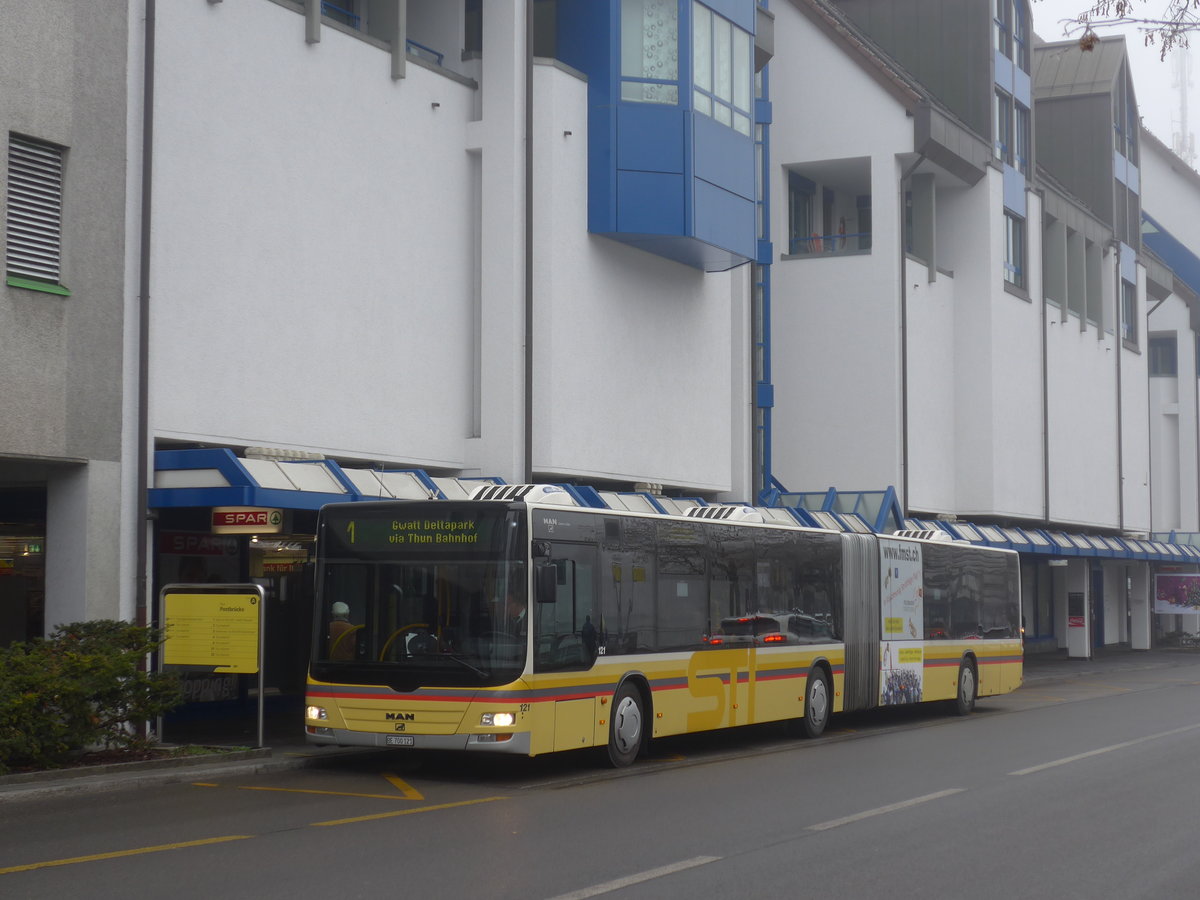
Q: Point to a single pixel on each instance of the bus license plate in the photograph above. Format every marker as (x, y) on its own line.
(398, 740)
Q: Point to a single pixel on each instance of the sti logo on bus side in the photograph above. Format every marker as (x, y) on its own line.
(400, 717)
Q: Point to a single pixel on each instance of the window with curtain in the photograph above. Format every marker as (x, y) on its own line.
(650, 51)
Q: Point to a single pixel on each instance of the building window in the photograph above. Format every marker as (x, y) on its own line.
(801, 193)
(1163, 361)
(1002, 27)
(650, 51)
(1010, 27)
(1021, 146)
(1004, 124)
(721, 69)
(863, 204)
(1020, 36)
(33, 226)
(1129, 329)
(473, 26)
(1014, 250)
(1125, 118)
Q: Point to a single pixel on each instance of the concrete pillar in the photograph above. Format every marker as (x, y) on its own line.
(83, 547)
(1079, 616)
(499, 139)
(1140, 606)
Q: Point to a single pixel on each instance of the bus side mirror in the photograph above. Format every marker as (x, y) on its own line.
(545, 588)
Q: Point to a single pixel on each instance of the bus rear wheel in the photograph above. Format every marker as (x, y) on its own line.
(816, 704)
(625, 726)
(964, 702)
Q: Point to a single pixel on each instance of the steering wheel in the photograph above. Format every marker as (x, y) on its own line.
(387, 645)
(422, 643)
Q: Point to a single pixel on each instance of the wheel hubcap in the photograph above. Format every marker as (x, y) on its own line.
(818, 701)
(968, 686)
(627, 726)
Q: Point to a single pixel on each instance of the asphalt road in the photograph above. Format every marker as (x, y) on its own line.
(1076, 788)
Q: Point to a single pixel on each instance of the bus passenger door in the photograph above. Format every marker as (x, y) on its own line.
(565, 636)
(565, 631)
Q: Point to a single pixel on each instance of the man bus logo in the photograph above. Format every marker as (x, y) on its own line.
(400, 717)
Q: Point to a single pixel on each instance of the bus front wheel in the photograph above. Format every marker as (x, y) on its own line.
(625, 726)
(964, 702)
(816, 704)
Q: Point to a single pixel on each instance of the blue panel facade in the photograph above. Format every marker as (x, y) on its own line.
(649, 138)
(649, 203)
(1181, 260)
(722, 218)
(661, 176)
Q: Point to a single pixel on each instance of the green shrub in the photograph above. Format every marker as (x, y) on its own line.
(82, 687)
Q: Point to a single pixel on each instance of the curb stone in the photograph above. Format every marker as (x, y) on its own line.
(147, 773)
(216, 756)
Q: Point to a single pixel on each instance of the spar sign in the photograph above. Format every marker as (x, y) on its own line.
(246, 520)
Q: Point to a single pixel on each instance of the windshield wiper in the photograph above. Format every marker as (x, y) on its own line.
(466, 664)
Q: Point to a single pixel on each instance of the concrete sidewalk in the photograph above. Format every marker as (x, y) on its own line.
(282, 755)
(287, 749)
(1054, 665)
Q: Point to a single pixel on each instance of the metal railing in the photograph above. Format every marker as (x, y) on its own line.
(830, 243)
(426, 53)
(338, 14)
(353, 20)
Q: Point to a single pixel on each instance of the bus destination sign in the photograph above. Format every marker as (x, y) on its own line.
(415, 531)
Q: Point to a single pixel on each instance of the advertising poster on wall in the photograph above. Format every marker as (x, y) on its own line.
(902, 625)
(1177, 594)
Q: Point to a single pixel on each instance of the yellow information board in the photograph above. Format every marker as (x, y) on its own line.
(214, 630)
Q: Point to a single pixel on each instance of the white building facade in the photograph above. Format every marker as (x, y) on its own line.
(389, 247)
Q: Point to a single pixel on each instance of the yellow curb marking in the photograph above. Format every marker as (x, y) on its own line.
(409, 792)
(281, 790)
(408, 812)
(117, 854)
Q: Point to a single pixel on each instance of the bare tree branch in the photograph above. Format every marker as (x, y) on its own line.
(1168, 30)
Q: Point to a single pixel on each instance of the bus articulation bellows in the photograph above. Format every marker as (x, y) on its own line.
(522, 625)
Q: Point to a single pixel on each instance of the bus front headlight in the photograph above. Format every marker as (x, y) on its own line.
(315, 712)
(497, 720)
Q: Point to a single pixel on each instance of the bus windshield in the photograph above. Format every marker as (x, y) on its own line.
(420, 595)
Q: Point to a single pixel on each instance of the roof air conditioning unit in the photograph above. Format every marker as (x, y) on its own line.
(924, 534)
(735, 513)
(526, 493)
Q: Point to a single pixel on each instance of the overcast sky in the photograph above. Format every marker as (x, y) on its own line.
(1153, 79)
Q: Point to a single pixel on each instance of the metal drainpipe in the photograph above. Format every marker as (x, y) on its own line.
(904, 177)
(528, 241)
(767, 475)
(1045, 325)
(1120, 342)
(1150, 419)
(144, 458)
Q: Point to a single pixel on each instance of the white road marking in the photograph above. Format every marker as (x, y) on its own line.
(881, 810)
(648, 875)
(1078, 756)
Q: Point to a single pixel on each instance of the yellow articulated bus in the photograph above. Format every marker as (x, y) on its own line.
(516, 623)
